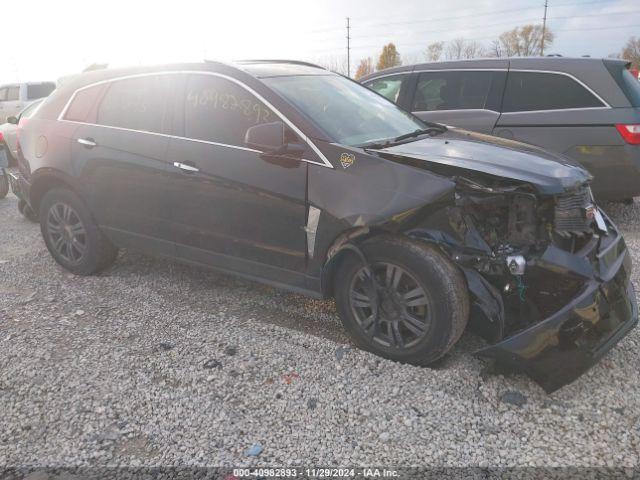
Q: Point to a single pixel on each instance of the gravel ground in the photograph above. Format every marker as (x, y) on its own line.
(155, 363)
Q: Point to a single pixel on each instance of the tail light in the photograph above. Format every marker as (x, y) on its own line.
(630, 133)
(1, 137)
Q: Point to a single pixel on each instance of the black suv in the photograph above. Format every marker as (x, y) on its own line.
(288, 174)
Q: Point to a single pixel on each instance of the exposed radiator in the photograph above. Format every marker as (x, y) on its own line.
(573, 212)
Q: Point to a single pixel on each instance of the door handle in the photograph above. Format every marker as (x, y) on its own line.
(186, 167)
(87, 142)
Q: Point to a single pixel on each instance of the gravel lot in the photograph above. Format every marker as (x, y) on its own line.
(155, 363)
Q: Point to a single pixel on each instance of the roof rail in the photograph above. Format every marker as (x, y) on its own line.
(292, 62)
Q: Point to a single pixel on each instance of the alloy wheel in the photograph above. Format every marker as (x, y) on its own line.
(392, 307)
(66, 232)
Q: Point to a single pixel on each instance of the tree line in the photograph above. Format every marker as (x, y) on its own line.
(523, 41)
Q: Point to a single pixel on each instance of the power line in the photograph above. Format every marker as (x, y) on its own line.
(507, 22)
(544, 27)
(481, 13)
(361, 47)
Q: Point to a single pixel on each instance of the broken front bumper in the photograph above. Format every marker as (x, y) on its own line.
(560, 348)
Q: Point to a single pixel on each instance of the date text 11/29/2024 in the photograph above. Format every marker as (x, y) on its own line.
(312, 473)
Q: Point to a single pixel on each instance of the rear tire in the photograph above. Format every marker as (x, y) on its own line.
(27, 212)
(423, 300)
(72, 236)
(4, 186)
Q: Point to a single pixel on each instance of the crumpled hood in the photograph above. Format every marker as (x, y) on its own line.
(548, 172)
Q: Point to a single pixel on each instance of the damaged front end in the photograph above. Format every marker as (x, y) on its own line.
(548, 274)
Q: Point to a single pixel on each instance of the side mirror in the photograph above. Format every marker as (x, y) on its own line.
(13, 120)
(270, 138)
(266, 137)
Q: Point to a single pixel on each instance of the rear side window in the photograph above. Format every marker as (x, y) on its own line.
(453, 91)
(531, 91)
(82, 103)
(136, 103)
(3, 94)
(13, 93)
(388, 87)
(40, 90)
(220, 111)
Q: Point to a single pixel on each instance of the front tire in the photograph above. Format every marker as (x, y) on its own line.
(417, 309)
(72, 236)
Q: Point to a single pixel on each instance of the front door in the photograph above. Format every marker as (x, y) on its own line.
(231, 207)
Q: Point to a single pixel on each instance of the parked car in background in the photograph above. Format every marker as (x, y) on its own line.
(585, 108)
(9, 131)
(17, 96)
(4, 179)
(288, 174)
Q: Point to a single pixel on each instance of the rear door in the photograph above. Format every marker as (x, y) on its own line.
(119, 150)
(468, 99)
(550, 109)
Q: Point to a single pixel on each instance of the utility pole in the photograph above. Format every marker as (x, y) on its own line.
(348, 49)
(544, 27)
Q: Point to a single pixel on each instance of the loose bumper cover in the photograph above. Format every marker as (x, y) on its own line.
(561, 347)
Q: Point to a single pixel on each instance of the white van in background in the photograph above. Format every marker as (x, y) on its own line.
(16, 96)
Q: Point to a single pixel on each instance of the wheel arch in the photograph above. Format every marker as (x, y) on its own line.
(342, 247)
(45, 181)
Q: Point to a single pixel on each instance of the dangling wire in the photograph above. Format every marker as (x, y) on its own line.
(521, 288)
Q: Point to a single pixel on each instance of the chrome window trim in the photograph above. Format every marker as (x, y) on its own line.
(462, 70)
(386, 75)
(457, 110)
(577, 109)
(324, 159)
(163, 135)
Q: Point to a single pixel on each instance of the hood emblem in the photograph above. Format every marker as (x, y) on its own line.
(347, 159)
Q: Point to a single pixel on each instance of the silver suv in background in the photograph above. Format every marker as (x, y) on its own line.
(585, 108)
(17, 96)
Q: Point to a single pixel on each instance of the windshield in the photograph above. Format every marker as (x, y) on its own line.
(347, 112)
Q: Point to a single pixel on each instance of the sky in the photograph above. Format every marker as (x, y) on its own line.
(45, 39)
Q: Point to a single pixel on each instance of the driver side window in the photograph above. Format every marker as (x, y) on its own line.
(220, 111)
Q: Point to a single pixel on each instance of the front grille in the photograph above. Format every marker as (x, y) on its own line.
(572, 212)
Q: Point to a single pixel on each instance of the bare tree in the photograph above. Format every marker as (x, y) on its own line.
(433, 53)
(631, 51)
(335, 63)
(525, 41)
(461, 49)
(364, 68)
